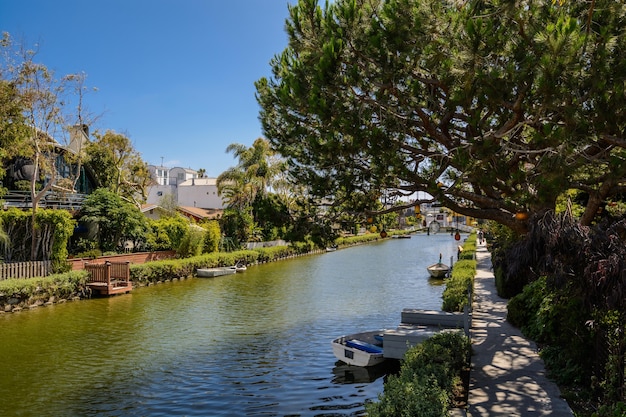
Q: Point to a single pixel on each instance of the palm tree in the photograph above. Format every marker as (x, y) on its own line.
(253, 175)
(201, 172)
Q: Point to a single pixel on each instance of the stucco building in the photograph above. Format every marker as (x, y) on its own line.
(185, 187)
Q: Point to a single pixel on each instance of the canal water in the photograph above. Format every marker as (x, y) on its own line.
(250, 344)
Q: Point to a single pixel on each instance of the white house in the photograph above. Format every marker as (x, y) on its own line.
(186, 188)
(199, 192)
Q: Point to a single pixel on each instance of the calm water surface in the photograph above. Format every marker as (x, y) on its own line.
(250, 344)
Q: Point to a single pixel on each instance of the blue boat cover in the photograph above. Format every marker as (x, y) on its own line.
(366, 347)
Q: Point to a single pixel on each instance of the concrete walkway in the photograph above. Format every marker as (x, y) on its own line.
(507, 377)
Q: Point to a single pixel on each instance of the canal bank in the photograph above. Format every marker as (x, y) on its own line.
(145, 269)
(507, 377)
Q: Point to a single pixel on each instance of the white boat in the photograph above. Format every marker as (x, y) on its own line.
(240, 268)
(438, 270)
(360, 349)
(215, 272)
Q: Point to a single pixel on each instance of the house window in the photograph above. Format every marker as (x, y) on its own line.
(63, 168)
(162, 176)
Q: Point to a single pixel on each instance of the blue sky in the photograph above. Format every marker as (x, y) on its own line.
(175, 76)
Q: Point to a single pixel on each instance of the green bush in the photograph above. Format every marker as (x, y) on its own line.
(277, 252)
(500, 239)
(500, 280)
(302, 247)
(183, 268)
(522, 309)
(166, 233)
(118, 220)
(354, 240)
(426, 381)
(405, 397)
(558, 324)
(62, 285)
(461, 281)
(55, 229)
(62, 225)
(86, 248)
(212, 236)
(617, 409)
(192, 243)
(469, 248)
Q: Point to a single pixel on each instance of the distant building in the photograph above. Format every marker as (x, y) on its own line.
(152, 211)
(186, 188)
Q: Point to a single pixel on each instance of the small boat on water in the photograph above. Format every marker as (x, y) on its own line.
(215, 272)
(438, 270)
(360, 349)
(240, 267)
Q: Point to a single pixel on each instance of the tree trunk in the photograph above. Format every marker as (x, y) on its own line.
(35, 198)
(596, 198)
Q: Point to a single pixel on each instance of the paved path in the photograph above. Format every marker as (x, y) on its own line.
(508, 377)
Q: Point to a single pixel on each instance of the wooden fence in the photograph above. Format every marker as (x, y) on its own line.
(25, 269)
(44, 268)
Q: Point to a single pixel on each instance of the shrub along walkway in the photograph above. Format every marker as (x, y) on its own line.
(507, 377)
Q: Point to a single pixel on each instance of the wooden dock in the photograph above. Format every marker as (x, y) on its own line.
(109, 278)
(418, 325)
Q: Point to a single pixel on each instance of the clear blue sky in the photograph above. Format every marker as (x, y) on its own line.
(175, 76)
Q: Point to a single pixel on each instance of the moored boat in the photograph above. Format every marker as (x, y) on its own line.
(438, 270)
(360, 349)
(215, 272)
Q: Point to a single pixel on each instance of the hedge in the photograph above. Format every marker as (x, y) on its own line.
(183, 268)
(427, 381)
(461, 281)
(42, 289)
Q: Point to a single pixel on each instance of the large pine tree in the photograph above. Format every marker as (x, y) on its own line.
(491, 107)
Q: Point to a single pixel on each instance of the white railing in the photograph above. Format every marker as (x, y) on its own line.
(25, 269)
(52, 199)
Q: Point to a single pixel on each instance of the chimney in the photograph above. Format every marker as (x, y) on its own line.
(79, 136)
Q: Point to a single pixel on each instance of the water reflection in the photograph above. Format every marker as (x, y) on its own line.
(348, 374)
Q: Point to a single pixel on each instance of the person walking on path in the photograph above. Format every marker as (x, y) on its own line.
(507, 377)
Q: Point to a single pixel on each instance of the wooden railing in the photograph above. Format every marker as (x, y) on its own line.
(25, 269)
(109, 278)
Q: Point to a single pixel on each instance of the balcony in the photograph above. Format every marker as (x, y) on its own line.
(52, 199)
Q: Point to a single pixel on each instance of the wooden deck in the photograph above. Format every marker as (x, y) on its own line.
(109, 278)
